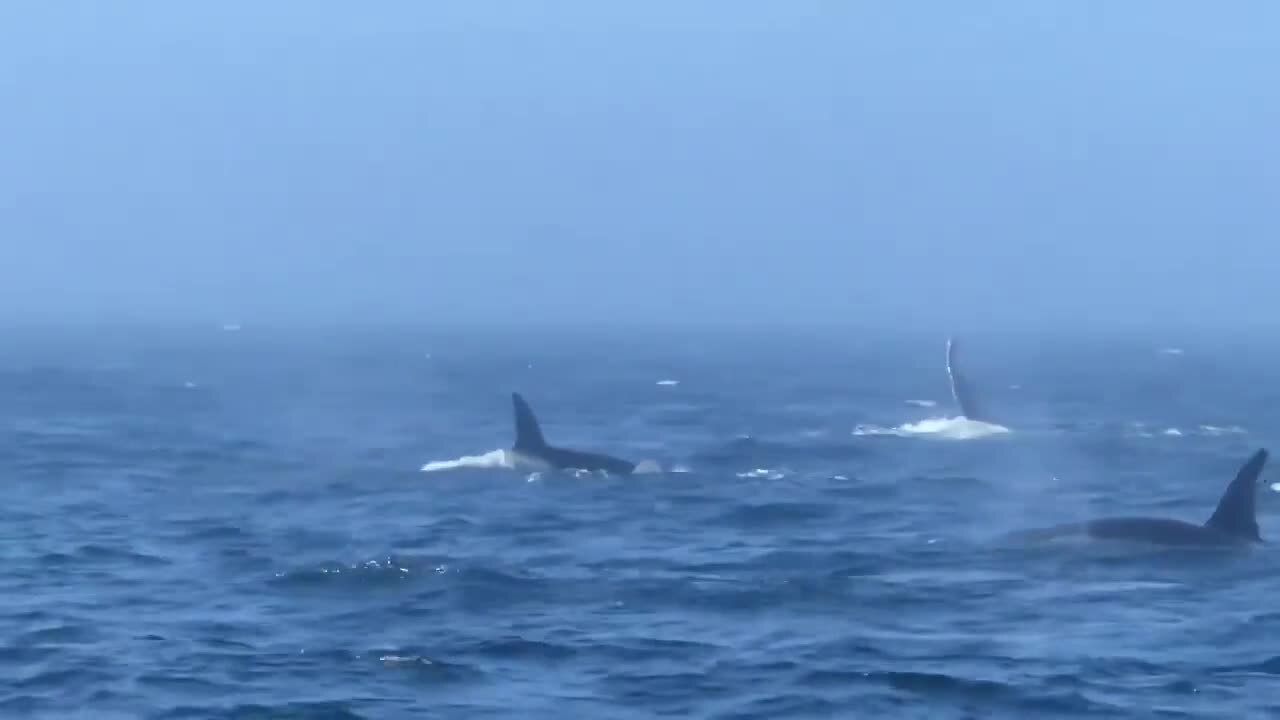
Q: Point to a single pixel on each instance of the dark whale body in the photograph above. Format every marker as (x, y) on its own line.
(531, 444)
(1234, 521)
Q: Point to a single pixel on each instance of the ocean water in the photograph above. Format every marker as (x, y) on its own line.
(216, 524)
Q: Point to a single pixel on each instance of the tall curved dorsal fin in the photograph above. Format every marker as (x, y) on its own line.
(960, 389)
(528, 434)
(1236, 513)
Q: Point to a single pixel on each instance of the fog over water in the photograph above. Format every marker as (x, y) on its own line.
(1004, 164)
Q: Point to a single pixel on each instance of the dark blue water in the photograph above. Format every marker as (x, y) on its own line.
(236, 525)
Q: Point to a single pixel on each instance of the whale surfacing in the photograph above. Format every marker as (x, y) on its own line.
(531, 444)
(1234, 520)
(960, 388)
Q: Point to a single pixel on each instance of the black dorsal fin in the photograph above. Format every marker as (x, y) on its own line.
(528, 434)
(960, 389)
(1236, 513)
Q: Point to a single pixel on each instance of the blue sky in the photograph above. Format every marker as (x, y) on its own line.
(935, 164)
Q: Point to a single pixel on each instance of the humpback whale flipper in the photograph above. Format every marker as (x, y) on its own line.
(960, 388)
(1236, 513)
(528, 433)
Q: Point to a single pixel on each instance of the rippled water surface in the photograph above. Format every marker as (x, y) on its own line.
(239, 525)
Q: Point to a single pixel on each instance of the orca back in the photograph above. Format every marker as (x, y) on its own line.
(529, 440)
(1236, 513)
(528, 432)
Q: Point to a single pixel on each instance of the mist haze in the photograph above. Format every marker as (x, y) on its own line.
(996, 164)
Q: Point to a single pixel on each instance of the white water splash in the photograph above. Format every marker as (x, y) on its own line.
(954, 428)
(510, 460)
(1173, 432)
(647, 467)
(493, 459)
(668, 383)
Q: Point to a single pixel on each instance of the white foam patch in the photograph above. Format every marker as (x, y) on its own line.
(923, 403)
(955, 428)
(668, 383)
(1215, 431)
(404, 660)
(1140, 430)
(510, 460)
(493, 459)
(766, 473)
(647, 467)
(1275, 487)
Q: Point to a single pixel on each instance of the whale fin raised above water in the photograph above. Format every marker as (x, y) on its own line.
(528, 433)
(1236, 513)
(531, 444)
(960, 388)
(1233, 523)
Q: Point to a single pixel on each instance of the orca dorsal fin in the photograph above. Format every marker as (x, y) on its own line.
(528, 434)
(1236, 513)
(960, 389)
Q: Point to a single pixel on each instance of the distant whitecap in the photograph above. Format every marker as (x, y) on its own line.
(766, 473)
(1214, 430)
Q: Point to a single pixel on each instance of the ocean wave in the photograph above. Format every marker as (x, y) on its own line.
(329, 710)
(369, 574)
